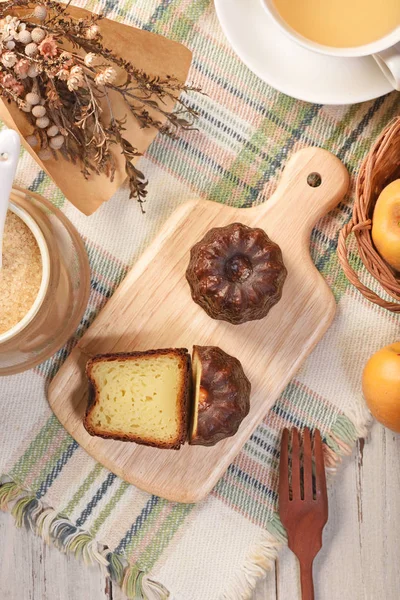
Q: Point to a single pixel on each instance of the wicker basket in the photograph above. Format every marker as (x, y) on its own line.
(380, 167)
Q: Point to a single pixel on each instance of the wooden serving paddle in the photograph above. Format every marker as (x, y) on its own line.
(153, 308)
(303, 501)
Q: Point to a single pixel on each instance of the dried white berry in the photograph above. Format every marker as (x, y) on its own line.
(10, 45)
(99, 78)
(8, 59)
(92, 32)
(43, 122)
(40, 12)
(90, 59)
(52, 131)
(74, 83)
(56, 142)
(32, 140)
(32, 98)
(43, 101)
(45, 154)
(63, 74)
(33, 71)
(31, 49)
(25, 107)
(107, 76)
(24, 37)
(76, 71)
(38, 35)
(38, 111)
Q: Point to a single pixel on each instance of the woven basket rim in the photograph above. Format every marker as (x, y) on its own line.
(381, 159)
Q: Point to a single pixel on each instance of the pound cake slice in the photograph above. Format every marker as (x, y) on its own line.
(140, 397)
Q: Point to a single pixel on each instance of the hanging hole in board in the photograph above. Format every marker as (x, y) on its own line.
(314, 180)
(3, 156)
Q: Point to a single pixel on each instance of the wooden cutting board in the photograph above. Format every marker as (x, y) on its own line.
(153, 308)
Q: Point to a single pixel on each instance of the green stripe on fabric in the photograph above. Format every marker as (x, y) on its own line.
(260, 456)
(90, 5)
(248, 166)
(355, 262)
(344, 429)
(52, 461)
(84, 487)
(109, 507)
(170, 526)
(110, 269)
(57, 198)
(275, 527)
(332, 269)
(340, 131)
(125, 10)
(37, 448)
(145, 528)
(180, 29)
(393, 108)
(297, 394)
(248, 492)
(358, 132)
(43, 185)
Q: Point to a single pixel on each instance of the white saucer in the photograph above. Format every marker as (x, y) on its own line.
(292, 69)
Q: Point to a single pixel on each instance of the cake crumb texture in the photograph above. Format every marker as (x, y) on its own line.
(140, 397)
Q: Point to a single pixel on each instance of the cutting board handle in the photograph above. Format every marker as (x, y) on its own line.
(313, 182)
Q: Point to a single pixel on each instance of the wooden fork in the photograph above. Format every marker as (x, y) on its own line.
(303, 505)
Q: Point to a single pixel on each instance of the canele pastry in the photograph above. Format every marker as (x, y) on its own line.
(236, 273)
(221, 395)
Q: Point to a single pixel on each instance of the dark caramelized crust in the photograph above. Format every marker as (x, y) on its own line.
(236, 273)
(182, 400)
(222, 393)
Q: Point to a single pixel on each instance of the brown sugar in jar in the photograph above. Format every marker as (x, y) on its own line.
(51, 292)
(21, 273)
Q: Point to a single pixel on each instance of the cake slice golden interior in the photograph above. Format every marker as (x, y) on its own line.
(140, 397)
(198, 394)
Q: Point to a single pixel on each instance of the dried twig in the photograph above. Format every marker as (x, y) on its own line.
(62, 91)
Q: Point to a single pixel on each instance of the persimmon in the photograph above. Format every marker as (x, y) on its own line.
(381, 386)
(386, 224)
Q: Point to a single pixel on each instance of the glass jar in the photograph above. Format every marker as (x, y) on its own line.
(64, 289)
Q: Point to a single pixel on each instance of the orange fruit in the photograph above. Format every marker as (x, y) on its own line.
(381, 386)
(386, 224)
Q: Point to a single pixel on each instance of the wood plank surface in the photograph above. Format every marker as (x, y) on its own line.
(359, 559)
(153, 308)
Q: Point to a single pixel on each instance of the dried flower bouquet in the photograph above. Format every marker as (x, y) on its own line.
(57, 69)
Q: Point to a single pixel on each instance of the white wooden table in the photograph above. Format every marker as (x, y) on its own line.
(359, 559)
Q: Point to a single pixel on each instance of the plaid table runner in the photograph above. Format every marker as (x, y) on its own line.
(218, 548)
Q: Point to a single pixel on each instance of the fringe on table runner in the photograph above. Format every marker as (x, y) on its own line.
(56, 528)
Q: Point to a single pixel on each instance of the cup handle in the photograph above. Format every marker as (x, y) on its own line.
(389, 63)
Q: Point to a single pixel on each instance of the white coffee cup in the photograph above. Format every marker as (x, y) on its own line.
(386, 50)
